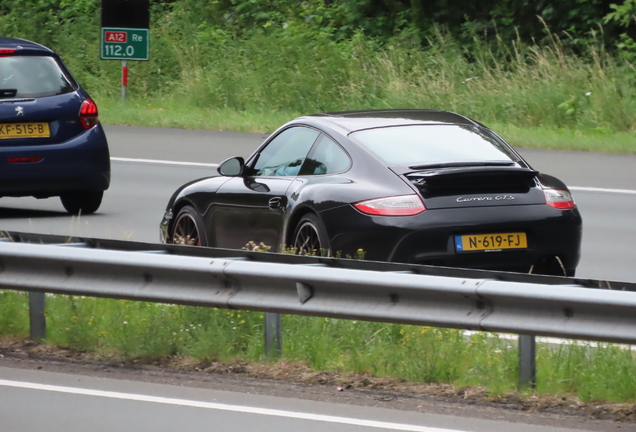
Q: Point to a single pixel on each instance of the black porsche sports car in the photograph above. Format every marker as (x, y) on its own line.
(413, 186)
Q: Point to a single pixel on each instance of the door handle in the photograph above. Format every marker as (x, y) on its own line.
(274, 203)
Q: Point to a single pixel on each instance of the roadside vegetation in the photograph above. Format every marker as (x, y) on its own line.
(558, 77)
(119, 330)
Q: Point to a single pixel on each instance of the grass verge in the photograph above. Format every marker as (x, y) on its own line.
(168, 113)
(124, 330)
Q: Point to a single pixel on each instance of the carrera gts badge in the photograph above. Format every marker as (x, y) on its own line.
(486, 198)
(19, 111)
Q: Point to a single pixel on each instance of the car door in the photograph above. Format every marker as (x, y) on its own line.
(252, 207)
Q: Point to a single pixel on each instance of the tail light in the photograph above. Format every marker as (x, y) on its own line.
(88, 114)
(6, 52)
(405, 205)
(560, 199)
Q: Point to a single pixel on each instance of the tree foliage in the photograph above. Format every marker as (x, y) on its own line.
(576, 21)
(624, 16)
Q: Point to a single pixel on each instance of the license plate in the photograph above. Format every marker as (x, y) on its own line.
(24, 130)
(491, 242)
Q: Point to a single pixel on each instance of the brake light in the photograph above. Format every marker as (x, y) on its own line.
(405, 205)
(6, 52)
(560, 199)
(88, 114)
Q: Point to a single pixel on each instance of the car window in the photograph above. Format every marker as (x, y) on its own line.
(285, 154)
(425, 144)
(34, 76)
(327, 157)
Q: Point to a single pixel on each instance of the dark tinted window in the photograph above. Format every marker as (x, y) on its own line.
(33, 76)
(424, 144)
(327, 157)
(285, 154)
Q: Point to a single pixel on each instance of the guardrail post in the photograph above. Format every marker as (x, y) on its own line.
(37, 319)
(527, 361)
(273, 341)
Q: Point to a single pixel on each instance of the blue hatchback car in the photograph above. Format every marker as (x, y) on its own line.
(51, 140)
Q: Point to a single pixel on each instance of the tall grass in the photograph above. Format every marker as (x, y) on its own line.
(535, 96)
(527, 86)
(118, 329)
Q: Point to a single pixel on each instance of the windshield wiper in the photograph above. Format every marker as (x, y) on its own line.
(463, 164)
(5, 93)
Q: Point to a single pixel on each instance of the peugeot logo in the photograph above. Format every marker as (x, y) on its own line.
(486, 198)
(19, 111)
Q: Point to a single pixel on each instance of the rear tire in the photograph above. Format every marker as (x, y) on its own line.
(188, 228)
(310, 237)
(82, 202)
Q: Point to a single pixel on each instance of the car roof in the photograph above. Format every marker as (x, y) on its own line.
(357, 120)
(25, 47)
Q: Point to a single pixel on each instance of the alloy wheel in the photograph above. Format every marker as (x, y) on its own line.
(307, 240)
(185, 231)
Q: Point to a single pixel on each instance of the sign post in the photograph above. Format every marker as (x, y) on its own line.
(125, 34)
(124, 80)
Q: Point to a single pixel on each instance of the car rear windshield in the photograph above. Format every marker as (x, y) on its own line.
(431, 144)
(33, 76)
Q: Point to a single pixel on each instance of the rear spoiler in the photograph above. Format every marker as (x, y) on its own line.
(475, 176)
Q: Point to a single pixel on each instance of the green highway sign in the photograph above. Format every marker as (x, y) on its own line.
(124, 43)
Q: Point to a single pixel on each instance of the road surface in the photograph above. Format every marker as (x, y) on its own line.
(66, 397)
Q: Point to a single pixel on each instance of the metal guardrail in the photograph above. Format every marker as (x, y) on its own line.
(326, 287)
(119, 245)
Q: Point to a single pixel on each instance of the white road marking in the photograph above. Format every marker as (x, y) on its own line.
(163, 162)
(222, 407)
(200, 164)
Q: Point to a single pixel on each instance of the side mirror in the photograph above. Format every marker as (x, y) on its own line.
(232, 167)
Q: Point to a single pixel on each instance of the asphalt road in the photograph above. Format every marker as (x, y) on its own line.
(149, 164)
(40, 400)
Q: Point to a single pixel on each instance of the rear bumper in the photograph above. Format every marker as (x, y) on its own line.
(81, 163)
(428, 238)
